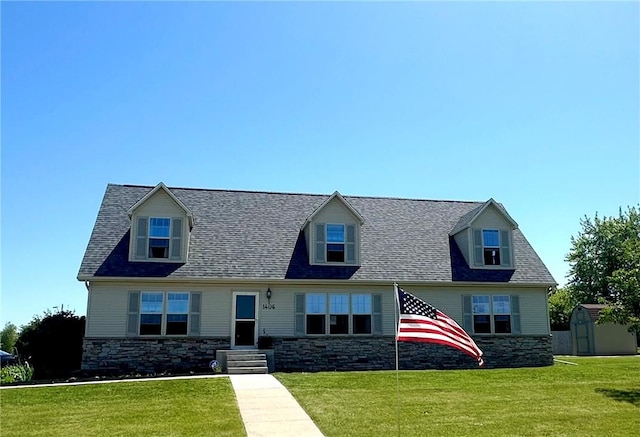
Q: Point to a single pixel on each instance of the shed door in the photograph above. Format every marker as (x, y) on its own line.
(583, 333)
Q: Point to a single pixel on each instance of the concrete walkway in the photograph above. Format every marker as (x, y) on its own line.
(268, 409)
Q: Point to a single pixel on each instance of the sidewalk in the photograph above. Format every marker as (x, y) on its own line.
(268, 409)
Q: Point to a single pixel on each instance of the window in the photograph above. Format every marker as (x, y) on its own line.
(491, 314)
(177, 313)
(492, 247)
(481, 315)
(151, 314)
(335, 243)
(158, 238)
(316, 309)
(156, 318)
(338, 314)
(361, 309)
(344, 314)
(501, 314)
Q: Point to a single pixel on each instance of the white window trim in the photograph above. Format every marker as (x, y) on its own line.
(165, 307)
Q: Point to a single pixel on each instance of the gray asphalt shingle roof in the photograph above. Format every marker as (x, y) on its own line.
(256, 235)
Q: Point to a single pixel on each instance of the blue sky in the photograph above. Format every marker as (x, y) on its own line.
(533, 104)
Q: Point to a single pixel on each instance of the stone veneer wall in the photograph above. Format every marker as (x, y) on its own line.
(149, 355)
(312, 354)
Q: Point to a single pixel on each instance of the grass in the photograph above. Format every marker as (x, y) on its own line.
(599, 396)
(187, 407)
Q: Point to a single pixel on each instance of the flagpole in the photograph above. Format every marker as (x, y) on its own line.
(396, 316)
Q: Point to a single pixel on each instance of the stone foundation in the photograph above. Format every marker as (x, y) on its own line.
(378, 353)
(311, 354)
(149, 355)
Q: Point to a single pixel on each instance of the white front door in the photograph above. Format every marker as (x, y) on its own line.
(244, 320)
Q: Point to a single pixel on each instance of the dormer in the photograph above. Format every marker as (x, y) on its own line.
(485, 237)
(332, 233)
(160, 227)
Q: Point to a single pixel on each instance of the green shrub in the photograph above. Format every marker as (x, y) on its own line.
(16, 373)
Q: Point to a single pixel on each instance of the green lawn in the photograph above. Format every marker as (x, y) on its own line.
(600, 396)
(186, 407)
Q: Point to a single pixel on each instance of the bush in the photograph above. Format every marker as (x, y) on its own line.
(16, 373)
(52, 344)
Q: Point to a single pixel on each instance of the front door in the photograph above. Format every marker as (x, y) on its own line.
(244, 320)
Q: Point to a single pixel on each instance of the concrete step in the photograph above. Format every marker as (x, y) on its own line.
(246, 357)
(244, 370)
(247, 363)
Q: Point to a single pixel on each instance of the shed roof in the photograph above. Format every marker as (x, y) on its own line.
(593, 309)
(256, 235)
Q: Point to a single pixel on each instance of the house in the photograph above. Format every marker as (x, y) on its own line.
(591, 338)
(177, 276)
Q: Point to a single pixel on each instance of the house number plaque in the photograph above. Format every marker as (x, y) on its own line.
(268, 306)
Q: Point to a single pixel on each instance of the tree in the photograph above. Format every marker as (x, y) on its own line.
(52, 344)
(561, 304)
(8, 337)
(605, 266)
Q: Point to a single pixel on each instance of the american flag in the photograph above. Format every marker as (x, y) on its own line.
(421, 322)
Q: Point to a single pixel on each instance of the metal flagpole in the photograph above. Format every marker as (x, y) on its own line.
(397, 320)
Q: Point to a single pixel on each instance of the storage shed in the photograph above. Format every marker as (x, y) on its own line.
(589, 338)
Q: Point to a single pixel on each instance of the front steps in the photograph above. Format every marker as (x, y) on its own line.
(246, 361)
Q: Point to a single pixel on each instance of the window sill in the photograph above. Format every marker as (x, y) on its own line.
(158, 260)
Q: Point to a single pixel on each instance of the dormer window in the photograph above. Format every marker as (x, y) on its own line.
(158, 239)
(335, 243)
(160, 227)
(492, 248)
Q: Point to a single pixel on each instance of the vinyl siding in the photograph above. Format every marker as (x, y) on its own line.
(462, 240)
(107, 308)
(160, 205)
(107, 311)
(215, 312)
(490, 218)
(335, 212)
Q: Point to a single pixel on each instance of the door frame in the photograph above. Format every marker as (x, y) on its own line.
(234, 294)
